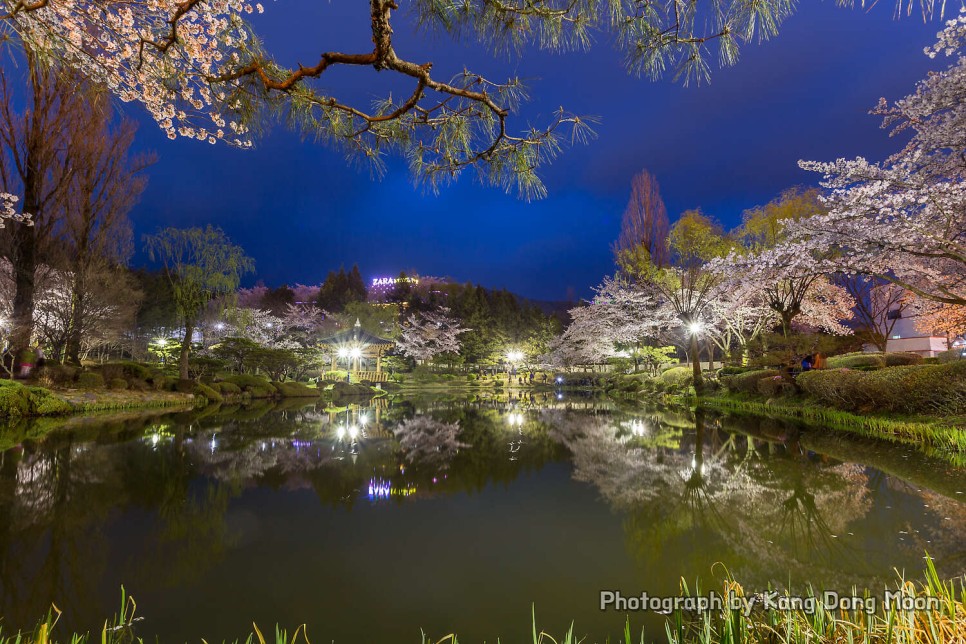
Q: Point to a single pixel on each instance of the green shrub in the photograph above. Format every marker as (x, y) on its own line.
(926, 388)
(260, 392)
(46, 404)
(900, 358)
(295, 390)
(207, 392)
(229, 388)
(185, 386)
(247, 381)
(61, 374)
(857, 361)
(676, 377)
(14, 400)
(951, 356)
(772, 386)
(117, 383)
(747, 382)
(138, 384)
(137, 370)
(731, 371)
(90, 380)
(111, 371)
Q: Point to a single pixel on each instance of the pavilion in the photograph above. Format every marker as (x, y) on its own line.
(359, 351)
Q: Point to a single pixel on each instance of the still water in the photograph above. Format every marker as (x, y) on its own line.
(372, 522)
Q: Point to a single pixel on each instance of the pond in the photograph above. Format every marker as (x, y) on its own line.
(372, 522)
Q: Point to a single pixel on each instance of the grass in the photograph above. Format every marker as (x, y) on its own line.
(944, 437)
(942, 622)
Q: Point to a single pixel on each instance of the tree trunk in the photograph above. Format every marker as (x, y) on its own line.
(185, 350)
(72, 353)
(696, 364)
(24, 271)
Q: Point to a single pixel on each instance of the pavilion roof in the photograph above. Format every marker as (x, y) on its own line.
(356, 335)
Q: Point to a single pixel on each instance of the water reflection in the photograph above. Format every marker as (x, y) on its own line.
(170, 502)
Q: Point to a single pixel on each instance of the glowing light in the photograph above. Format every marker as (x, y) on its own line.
(637, 428)
(392, 281)
(154, 440)
(695, 328)
(343, 352)
(353, 432)
(355, 352)
(340, 433)
(559, 396)
(514, 356)
(363, 419)
(559, 380)
(220, 326)
(515, 419)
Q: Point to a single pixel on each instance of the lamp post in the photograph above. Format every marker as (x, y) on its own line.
(513, 357)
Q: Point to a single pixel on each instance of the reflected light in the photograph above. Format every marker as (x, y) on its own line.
(340, 432)
(353, 432)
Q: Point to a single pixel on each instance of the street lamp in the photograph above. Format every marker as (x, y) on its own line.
(695, 328)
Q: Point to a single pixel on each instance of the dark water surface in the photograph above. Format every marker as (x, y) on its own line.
(370, 523)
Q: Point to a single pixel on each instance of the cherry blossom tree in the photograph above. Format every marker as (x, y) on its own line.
(428, 334)
(904, 219)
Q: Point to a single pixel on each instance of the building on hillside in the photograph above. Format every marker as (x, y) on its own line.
(359, 352)
(381, 289)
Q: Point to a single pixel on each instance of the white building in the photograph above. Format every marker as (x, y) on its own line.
(907, 338)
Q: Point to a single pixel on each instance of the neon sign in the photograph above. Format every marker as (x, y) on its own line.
(392, 281)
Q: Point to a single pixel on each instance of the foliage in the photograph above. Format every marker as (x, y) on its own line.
(339, 289)
(201, 264)
(747, 382)
(430, 334)
(677, 377)
(926, 389)
(90, 380)
(856, 361)
(17, 400)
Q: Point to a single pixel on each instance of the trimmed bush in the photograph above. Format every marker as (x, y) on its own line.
(207, 392)
(185, 386)
(731, 371)
(954, 355)
(246, 381)
(111, 371)
(747, 382)
(137, 384)
(901, 358)
(857, 361)
(295, 390)
(260, 392)
(926, 388)
(772, 386)
(61, 374)
(677, 376)
(228, 388)
(90, 380)
(117, 383)
(14, 400)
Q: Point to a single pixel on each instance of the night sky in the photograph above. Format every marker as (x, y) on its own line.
(300, 210)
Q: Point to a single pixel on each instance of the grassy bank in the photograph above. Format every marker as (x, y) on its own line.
(934, 434)
(940, 620)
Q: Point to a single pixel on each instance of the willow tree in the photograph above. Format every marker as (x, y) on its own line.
(201, 264)
(201, 71)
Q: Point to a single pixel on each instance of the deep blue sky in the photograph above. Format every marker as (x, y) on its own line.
(300, 210)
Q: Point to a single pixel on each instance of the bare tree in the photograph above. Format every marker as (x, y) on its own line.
(104, 185)
(36, 153)
(878, 305)
(645, 221)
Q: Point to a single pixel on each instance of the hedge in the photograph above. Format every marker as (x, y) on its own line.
(295, 390)
(926, 388)
(248, 381)
(117, 383)
(857, 361)
(747, 382)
